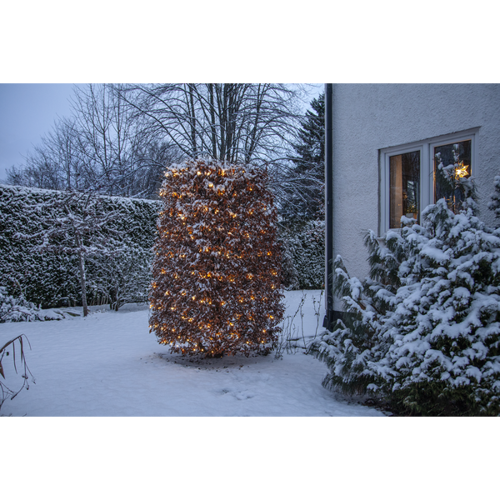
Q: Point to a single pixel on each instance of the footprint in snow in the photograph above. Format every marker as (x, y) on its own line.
(244, 395)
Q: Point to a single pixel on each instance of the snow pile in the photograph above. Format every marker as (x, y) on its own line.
(109, 365)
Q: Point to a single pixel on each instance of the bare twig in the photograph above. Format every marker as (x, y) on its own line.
(6, 391)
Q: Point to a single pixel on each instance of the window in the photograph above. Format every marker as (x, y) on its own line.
(404, 187)
(415, 175)
(451, 161)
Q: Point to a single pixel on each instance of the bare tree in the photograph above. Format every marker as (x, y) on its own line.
(77, 225)
(232, 122)
(55, 163)
(103, 148)
(121, 137)
(247, 123)
(106, 138)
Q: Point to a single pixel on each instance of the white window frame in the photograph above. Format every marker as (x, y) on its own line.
(426, 148)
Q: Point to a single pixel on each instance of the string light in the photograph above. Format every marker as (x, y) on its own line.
(221, 282)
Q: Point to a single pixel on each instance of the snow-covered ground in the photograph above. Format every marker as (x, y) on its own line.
(108, 364)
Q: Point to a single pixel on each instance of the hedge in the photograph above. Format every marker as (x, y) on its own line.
(52, 280)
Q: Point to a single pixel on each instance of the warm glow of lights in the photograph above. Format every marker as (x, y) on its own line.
(223, 295)
(461, 171)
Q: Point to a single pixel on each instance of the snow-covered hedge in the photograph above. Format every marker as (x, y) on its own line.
(424, 330)
(304, 255)
(51, 279)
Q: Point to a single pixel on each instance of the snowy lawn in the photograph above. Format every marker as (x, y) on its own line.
(108, 364)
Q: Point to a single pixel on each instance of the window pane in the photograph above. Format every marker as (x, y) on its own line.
(404, 190)
(456, 160)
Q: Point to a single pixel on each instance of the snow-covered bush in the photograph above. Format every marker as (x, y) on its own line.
(216, 272)
(494, 204)
(288, 270)
(423, 331)
(19, 309)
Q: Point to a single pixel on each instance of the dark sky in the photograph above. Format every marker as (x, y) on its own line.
(28, 111)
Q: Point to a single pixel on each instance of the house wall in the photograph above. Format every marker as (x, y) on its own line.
(367, 118)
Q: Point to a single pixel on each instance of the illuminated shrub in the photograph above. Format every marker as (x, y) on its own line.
(216, 274)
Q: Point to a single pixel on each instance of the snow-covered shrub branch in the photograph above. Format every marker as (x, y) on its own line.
(14, 309)
(423, 331)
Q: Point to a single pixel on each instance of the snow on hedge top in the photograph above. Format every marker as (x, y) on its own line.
(28, 191)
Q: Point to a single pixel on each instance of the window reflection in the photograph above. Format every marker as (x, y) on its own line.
(451, 162)
(404, 187)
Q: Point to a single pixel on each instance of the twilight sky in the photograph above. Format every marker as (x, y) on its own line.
(28, 111)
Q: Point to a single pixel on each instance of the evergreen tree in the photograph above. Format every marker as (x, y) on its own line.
(309, 170)
(494, 204)
(304, 255)
(423, 331)
(302, 225)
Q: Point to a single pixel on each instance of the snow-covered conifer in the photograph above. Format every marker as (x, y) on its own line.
(303, 246)
(217, 270)
(494, 204)
(424, 330)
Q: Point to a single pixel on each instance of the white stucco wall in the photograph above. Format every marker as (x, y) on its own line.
(367, 118)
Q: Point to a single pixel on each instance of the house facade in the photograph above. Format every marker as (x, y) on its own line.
(386, 143)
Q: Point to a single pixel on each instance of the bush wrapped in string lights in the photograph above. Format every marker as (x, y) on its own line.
(217, 271)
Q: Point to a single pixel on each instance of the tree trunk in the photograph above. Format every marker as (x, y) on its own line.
(83, 284)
